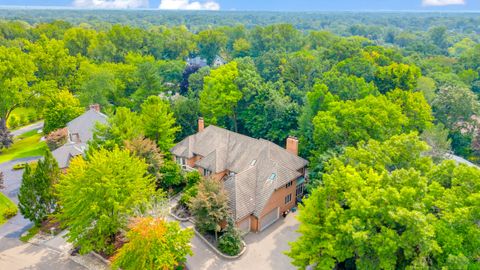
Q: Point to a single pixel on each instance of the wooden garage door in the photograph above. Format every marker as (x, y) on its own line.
(269, 218)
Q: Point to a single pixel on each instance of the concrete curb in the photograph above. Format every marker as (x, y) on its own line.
(98, 256)
(219, 253)
(177, 217)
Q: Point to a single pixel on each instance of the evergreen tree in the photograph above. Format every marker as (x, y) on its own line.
(36, 196)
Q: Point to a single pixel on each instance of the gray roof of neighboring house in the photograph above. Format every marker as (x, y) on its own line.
(85, 123)
(460, 160)
(65, 153)
(251, 161)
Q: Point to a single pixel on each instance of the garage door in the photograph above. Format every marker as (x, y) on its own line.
(269, 218)
(244, 226)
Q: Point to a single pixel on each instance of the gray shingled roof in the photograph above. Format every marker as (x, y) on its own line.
(85, 124)
(66, 152)
(249, 187)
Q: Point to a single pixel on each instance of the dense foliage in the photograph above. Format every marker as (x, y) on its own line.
(98, 195)
(36, 196)
(154, 243)
(382, 205)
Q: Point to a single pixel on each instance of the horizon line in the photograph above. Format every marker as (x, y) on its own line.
(28, 7)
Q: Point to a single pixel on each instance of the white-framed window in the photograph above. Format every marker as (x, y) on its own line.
(288, 198)
(180, 160)
(207, 172)
(289, 184)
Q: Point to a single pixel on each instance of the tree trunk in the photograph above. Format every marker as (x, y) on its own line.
(235, 125)
(3, 123)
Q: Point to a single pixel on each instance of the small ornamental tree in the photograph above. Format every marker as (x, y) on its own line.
(230, 242)
(154, 243)
(210, 206)
(6, 139)
(36, 196)
(57, 138)
(98, 195)
(148, 150)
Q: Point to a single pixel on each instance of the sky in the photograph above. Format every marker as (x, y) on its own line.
(270, 5)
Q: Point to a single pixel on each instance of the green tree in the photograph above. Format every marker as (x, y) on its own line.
(124, 125)
(154, 244)
(16, 75)
(220, 94)
(348, 87)
(345, 123)
(36, 196)
(186, 112)
(159, 122)
(98, 195)
(396, 75)
(437, 138)
(78, 40)
(61, 109)
(210, 43)
(96, 86)
(210, 206)
(147, 150)
(230, 242)
(414, 106)
(455, 106)
(385, 206)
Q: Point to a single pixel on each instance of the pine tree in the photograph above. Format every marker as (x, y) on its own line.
(36, 196)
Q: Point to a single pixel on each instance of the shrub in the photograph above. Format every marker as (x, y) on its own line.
(19, 166)
(230, 242)
(13, 121)
(56, 138)
(10, 212)
(188, 194)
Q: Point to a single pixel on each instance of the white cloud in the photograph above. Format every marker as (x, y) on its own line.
(187, 5)
(442, 2)
(111, 3)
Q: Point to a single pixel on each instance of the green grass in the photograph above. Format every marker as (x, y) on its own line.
(30, 233)
(7, 208)
(24, 116)
(25, 145)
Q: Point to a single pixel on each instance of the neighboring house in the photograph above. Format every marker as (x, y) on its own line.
(80, 131)
(197, 61)
(262, 179)
(460, 160)
(218, 61)
(202, 62)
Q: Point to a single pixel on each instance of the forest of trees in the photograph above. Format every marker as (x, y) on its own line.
(359, 84)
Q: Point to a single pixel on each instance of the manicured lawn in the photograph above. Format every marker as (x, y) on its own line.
(23, 116)
(7, 208)
(25, 145)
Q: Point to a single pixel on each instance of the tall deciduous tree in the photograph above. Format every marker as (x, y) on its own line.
(210, 43)
(98, 195)
(385, 206)
(159, 122)
(148, 150)
(396, 75)
(16, 74)
(61, 109)
(153, 244)
(36, 196)
(220, 94)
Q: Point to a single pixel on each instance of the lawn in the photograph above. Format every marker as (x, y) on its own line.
(22, 116)
(7, 208)
(25, 145)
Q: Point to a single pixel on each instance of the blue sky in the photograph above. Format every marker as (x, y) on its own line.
(274, 5)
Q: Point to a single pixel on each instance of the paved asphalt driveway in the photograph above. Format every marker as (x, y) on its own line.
(264, 251)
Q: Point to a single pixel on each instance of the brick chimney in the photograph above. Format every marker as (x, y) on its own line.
(95, 107)
(292, 145)
(201, 124)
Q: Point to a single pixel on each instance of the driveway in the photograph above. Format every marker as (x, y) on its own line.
(37, 125)
(264, 251)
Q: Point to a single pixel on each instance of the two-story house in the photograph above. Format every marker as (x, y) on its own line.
(262, 179)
